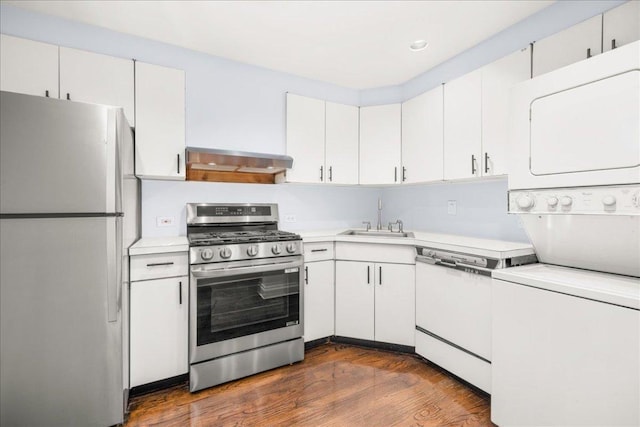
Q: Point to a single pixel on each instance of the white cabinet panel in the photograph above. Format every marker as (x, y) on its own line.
(305, 138)
(395, 304)
(463, 126)
(98, 79)
(497, 80)
(422, 137)
(621, 25)
(568, 46)
(341, 149)
(318, 300)
(159, 329)
(380, 144)
(29, 67)
(160, 122)
(355, 300)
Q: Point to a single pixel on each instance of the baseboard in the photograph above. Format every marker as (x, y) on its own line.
(398, 348)
(158, 385)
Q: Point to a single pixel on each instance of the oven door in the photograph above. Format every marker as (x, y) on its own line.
(242, 305)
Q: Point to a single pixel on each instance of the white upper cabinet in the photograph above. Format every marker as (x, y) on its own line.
(463, 126)
(380, 144)
(160, 122)
(568, 46)
(305, 138)
(28, 67)
(98, 79)
(621, 25)
(497, 80)
(341, 147)
(422, 137)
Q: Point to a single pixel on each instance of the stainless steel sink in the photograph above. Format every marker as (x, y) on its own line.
(374, 233)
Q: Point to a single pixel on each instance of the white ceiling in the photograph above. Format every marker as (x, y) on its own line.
(356, 44)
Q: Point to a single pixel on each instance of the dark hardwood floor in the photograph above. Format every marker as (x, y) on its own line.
(335, 385)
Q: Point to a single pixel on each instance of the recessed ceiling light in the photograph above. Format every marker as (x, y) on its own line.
(418, 45)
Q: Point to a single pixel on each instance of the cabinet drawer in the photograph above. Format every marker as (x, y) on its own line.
(321, 251)
(156, 266)
(376, 252)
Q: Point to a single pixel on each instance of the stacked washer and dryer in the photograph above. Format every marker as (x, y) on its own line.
(566, 331)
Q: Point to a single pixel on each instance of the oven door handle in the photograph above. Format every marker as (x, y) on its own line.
(202, 272)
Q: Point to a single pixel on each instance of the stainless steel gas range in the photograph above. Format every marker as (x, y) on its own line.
(245, 309)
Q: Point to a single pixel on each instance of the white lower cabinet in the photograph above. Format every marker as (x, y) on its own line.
(375, 301)
(159, 320)
(318, 300)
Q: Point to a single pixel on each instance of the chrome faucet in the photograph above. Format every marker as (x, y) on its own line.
(399, 226)
(379, 226)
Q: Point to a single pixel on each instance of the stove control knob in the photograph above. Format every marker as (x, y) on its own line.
(225, 253)
(552, 201)
(276, 249)
(291, 247)
(566, 201)
(525, 202)
(608, 201)
(252, 250)
(206, 254)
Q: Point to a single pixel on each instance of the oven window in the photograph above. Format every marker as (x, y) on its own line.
(239, 305)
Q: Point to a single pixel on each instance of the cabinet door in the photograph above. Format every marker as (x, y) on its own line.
(463, 126)
(568, 46)
(621, 25)
(355, 300)
(380, 144)
(159, 322)
(318, 300)
(422, 137)
(395, 319)
(98, 79)
(305, 139)
(160, 122)
(497, 80)
(342, 122)
(28, 67)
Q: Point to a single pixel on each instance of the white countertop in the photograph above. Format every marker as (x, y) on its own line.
(605, 287)
(472, 245)
(158, 245)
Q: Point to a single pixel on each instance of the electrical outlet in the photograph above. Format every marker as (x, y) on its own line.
(290, 218)
(452, 207)
(165, 221)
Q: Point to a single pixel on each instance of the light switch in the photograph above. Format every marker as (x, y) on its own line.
(452, 207)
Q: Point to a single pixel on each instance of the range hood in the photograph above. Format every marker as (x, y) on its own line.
(210, 164)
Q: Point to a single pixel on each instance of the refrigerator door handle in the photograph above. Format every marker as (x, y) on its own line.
(114, 267)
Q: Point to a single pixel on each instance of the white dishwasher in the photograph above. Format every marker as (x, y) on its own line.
(453, 311)
(566, 347)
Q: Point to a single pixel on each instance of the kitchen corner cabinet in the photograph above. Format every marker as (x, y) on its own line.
(159, 310)
(322, 138)
(476, 117)
(621, 25)
(99, 79)
(568, 46)
(422, 137)
(28, 67)
(380, 144)
(160, 122)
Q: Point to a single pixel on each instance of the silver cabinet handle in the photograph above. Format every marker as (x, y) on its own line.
(473, 164)
(321, 173)
(404, 174)
(158, 264)
(180, 292)
(589, 53)
(330, 173)
(178, 164)
(368, 275)
(46, 93)
(395, 174)
(486, 162)
(319, 250)
(613, 44)
(306, 275)
(380, 275)
(68, 97)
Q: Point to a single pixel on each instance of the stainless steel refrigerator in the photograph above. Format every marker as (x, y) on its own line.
(69, 209)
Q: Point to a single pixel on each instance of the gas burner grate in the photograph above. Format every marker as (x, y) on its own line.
(217, 238)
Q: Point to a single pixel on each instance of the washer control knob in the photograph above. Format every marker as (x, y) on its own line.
(552, 201)
(566, 201)
(291, 247)
(225, 253)
(525, 201)
(276, 249)
(252, 250)
(608, 201)
(206, 254)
